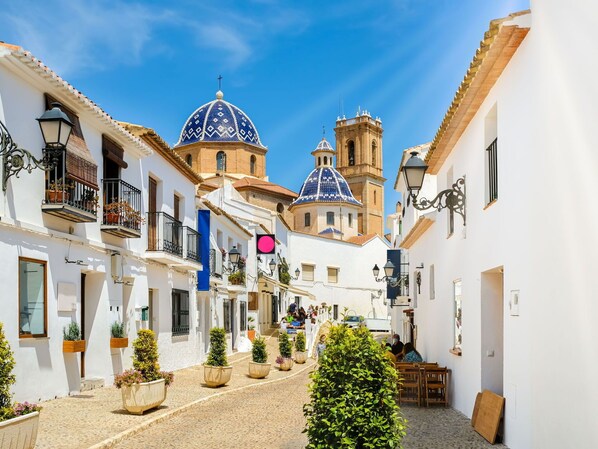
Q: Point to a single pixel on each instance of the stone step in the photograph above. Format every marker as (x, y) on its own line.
(91, 384)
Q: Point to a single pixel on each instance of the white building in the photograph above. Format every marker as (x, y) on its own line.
(507, 301)
(108, 234)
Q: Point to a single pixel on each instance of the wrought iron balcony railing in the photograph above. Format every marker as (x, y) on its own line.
(192, 244)
(164, 233)
(122, 205)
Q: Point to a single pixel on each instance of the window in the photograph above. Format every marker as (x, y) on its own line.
(307, 219)
(458, 315)
(180, 312)
(374, 149)
(252, 161)
(307, 272)
(189, 160)
(319, 160)
(375, 197)
(176, 207)
(332, 275)
(280, 208)
(325, 160)
(350, 218)
(335, 311)
(227, 315)
(243, 315)
(351, 152)
(221, 161)
(32, 298)
(491, 172)
(330, 218)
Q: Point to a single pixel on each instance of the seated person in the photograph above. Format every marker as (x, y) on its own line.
(411, 355)
(397, 345)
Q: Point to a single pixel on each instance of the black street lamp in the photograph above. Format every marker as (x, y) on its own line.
(234, 255)
(56, 127)
(453, 198)
(271, 266)
(391, 281)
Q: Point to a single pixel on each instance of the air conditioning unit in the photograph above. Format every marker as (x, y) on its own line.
(401, 301)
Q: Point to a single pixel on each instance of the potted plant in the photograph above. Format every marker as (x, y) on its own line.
(144, 386)
(285, 347)
(258, 367)
(57, 191)
(251, 328)
(72, 341)
(237, 278)
(216, 371)
(90, 199)
(18, 422)
(116, 211)
(117, 335)
(300, 353)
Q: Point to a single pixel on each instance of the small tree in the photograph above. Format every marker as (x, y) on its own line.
(284, 345)
(217, 355)
(300, 342)
(145, 358)
(7, 379)
(353, 395)
(258, 352)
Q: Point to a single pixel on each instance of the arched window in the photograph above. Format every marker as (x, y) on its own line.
(325, 160)
(307, 220)
(280, 208)
(374, 149)
(319, 160)
(221, 161)
(189, 160)
(374, 197)
(252, 160)
(351, 152)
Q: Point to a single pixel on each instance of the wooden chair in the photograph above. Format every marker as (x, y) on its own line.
(435, 383)
(409, 385)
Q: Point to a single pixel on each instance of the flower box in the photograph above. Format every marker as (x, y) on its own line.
(116, 343)
(259, 370)
(216, 376)
(138, 398)
(73, 346)
(19, 432)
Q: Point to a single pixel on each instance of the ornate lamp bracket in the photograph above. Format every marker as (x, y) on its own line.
(453, 199)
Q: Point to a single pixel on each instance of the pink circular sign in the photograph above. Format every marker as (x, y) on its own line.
(266, 244)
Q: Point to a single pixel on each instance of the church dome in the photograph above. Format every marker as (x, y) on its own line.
(219, 121)
(326, 185)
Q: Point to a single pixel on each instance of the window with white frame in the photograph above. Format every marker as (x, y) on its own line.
(330, 218)
(332, 275)
(307, 272)
(32, 298)
(350, 219)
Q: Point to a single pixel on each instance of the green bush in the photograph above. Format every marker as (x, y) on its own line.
(237, 278)
(284, 345)
(7, 364)
(117, 330)
(145, 356)
(353, 395)
(72, 332)
(258, 352)
(300, 342)
(217, 355)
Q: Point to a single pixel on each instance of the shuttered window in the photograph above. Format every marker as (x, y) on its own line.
(307, 272)
(180, 312)
(332, 275)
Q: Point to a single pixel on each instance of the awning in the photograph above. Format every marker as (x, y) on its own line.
(113, 151)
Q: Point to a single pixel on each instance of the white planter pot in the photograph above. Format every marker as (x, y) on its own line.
(300, 357)
(20, 432)
(141, 397)
(286, 365)
(259, 370)
(215, 376)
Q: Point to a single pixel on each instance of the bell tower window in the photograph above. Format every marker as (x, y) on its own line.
(221, 161)
(189, 160)
(252, 161)
(351, 152)
(374, 149)
(325, 160)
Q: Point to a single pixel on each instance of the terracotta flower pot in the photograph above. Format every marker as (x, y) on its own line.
(144, 396)
(251, 334)
(57, 196)
(216, 376)
(300, 357)
(116, 343)
(73, 346)
(112, 218)
(259, 370)
(19, 432)
(286, 364)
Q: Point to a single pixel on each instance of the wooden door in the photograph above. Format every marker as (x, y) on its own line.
(83, 323)
(152, 222)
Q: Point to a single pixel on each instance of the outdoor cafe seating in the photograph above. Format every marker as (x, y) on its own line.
(423, 383)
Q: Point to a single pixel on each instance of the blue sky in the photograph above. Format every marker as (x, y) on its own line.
(289, 65)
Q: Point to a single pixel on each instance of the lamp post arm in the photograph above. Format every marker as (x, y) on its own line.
(453, 198)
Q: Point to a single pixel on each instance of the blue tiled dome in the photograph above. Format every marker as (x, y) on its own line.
(326, 185)
(219, 121)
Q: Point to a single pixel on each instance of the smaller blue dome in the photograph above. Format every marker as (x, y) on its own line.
(326, 185)
(323, 145)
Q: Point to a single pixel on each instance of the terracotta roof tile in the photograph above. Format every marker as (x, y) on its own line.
(260, 184)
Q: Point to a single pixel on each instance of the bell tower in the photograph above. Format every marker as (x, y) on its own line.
(359, 160)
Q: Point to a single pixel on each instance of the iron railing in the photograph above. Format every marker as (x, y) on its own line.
(122, 204)
(492, 160)
(180, 312)
(215, 263)
(61, 190)
(164, 233)
(192, 244)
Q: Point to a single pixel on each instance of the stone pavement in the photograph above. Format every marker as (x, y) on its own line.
(89, 419)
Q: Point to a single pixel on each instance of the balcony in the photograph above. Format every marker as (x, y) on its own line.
(69, 199)
(216, 263)
(171, 243)
(122, 209)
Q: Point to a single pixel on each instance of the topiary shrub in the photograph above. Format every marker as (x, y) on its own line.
(72, 332)
(353, 395)
(284, 345)
(259, 353)
(217, 355)
(117, 330)
(7, 379)
(300, 342)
